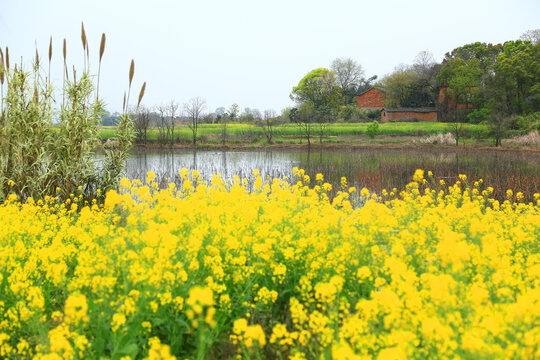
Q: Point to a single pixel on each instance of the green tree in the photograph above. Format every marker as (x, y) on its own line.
(412, 86)
(320, 91)
(519, 65)
(461, 79)
(233, 112)
(464, 74)
(398, 86)
(486, 54)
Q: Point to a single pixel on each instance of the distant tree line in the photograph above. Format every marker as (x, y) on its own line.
(166, 118)
(497, 84)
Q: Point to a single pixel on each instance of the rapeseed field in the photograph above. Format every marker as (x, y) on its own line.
(281, 269)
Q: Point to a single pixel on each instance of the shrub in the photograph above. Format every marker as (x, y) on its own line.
(478, 115)
(439, 138)
(373, 129)
(531, 138)
(524, 122)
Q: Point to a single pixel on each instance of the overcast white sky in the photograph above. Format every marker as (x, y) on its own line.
(248, 51)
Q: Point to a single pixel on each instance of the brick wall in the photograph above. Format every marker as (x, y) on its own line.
(373, 98)
(408, 115)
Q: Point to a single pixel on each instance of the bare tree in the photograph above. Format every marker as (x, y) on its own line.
(223, 119)
(194, 109)
(257, 116)
(162, 124)
(172, 109)
(142, 123)
(226, 116)
(304, 117)
(267, 124)
(322, 118)
(531, 35)
(349, 74)
(424, 64)
(498, 125)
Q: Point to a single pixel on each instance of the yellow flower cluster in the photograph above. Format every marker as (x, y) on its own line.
(273, 269)
(247, 334)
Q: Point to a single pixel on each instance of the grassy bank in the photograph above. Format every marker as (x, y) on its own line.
(250, 133)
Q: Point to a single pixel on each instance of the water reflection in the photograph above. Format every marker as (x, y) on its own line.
(375, 169)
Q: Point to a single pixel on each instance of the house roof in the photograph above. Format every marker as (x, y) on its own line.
(418, 110)
(376, 88)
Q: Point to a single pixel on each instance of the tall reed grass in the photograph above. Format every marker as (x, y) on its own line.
(47, 149)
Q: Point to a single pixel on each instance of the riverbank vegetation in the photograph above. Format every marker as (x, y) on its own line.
(237, 268)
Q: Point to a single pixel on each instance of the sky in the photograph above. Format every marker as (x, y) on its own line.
(248, 52)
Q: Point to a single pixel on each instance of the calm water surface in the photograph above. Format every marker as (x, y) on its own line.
(375, 169)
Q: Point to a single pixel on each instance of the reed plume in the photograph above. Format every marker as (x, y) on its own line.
(131, 73)
(50, 49)
(37, 58)
(7, 58)
(50, 58)
(64, 74)
(102, 46)
(101, 51)
(2, 69)
(83, 36)
(84, 43)
(141, 94)
(2, 72)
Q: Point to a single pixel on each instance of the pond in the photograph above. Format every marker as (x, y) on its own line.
(375, 169)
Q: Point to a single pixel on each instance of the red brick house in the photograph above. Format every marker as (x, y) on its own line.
(408, 114)
(372, 99)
